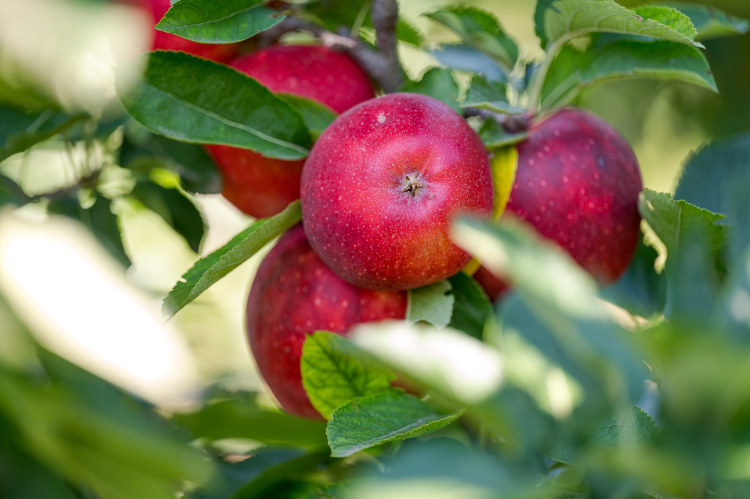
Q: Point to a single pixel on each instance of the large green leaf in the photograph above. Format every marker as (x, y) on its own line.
(176, 209)
(378, 419)
(317, 116)
(694, 239)
(438, 83)
(432, 303)
(626, 428)
(213, 267)
(670, 219)
(227, 21)
(480, 30)
(187, 98)
(559, 21)
(335, 371)
(711, 22)
(615, 56)
(239, 415)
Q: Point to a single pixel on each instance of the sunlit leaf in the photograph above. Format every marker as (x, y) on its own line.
(335, 371)
(213, 267)
(385, 417)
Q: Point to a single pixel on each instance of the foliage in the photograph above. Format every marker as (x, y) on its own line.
(561, 389)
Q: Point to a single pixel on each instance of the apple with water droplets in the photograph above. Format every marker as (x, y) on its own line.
(577, 183)
(293, 295)
(382, 185)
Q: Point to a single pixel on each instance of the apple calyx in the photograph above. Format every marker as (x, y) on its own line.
(412, 184)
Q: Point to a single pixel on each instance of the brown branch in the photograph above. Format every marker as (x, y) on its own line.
(511, 123)
(382, 65)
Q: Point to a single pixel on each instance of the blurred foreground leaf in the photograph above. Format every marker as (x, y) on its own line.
(239, 415)
(213, 267)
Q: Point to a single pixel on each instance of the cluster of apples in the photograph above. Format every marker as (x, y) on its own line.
(379, 191)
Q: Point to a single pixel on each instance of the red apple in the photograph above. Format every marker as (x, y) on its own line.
(577, 183)
(382, 185)
(262, 186)
(293, 295)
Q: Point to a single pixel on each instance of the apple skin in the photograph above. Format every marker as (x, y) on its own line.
(382, 185)
(261, 186)
(293, 295)
(577, 183)
(220, 52)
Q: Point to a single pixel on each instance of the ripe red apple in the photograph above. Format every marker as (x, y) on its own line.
(577, 183)
(167, 41)
(262, 186)
(382, 185)
(293, 295)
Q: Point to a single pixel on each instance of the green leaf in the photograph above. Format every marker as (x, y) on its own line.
(723, 166)
(563, 317)
(432, 303)
(626, 428)
(480, 30)
(99, 219)
(239, 415)
(466, 58)
(670, 219)
(438, 83)
(610, 57)
(694, 239)
(472, 307)
(449, 362)
(213, 267)
(668, 16)
(487, 94)
(335, 371)
(11, 192)
(187, 98)
(381, 418)
(177, 210)
(228, 21)
(317, 116)
(711, 22)
(559, 21)
(495, 136)
(19, 130)
(285, 479)
(640, 290)
(111, 447)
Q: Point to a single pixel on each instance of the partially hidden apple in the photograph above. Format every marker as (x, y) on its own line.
(220, 52)
(294, 294)
(382, 185)
(261, 186)
(577, 183)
